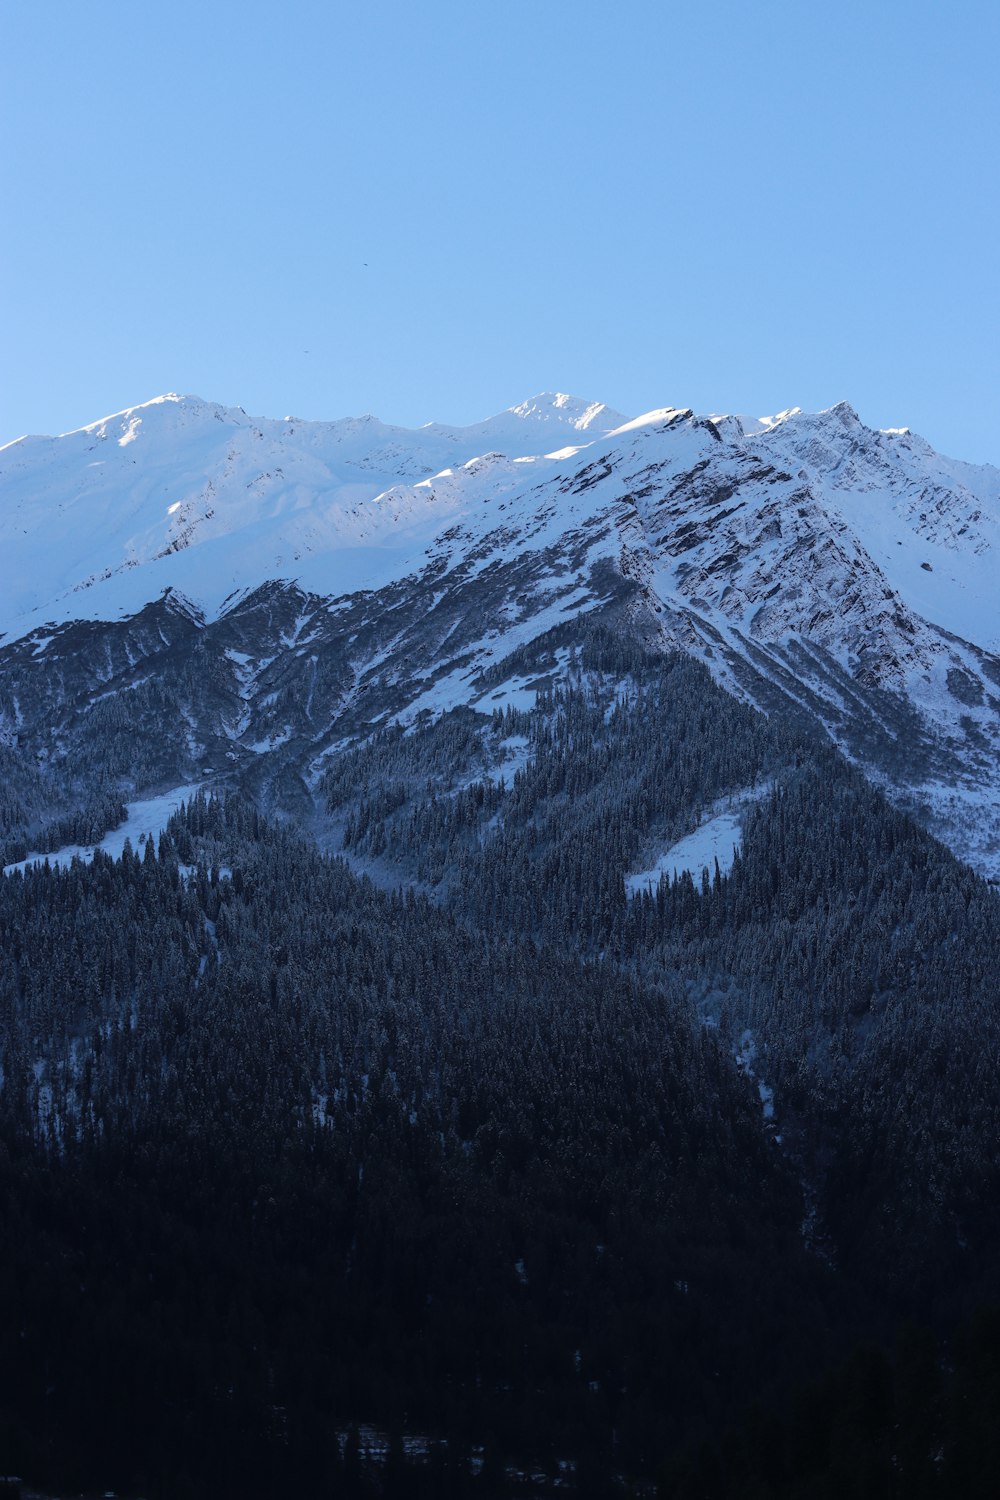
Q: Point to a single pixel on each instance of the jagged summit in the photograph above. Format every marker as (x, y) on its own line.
(803, 550)
(841, 414)
(189, 493)
(572, 411)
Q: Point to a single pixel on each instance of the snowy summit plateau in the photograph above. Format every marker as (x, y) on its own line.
(260, 593)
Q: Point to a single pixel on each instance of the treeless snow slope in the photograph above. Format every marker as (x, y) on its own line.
(187, 494)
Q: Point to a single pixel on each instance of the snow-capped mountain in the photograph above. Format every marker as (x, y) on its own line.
(263, 498)
(258, 592)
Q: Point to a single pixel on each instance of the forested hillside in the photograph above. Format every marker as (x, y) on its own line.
(443, 1135)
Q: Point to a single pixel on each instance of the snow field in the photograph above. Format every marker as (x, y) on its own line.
(146, 819)
(717, 838)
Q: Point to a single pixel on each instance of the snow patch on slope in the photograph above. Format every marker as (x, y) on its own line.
(717, 837)
(146, 819)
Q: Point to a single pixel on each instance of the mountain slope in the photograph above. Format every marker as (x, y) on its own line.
(135, 489)
(291, 585)
(477, 1135)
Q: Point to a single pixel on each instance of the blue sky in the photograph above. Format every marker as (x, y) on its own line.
(432, 211)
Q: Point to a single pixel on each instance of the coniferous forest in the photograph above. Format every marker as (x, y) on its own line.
(437, 1164)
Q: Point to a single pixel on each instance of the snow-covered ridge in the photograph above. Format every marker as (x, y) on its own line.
(202, 498)
(243, 499)
(805, 558)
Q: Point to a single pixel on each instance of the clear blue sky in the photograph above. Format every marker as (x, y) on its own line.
(433, 210)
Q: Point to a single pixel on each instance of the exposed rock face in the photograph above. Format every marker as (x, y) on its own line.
(190, 593)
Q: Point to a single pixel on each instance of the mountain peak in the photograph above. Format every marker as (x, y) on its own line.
(844, 412)
(570, 411)
(170, 399)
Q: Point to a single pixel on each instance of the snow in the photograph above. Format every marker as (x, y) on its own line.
(273, 742)
(844, 537)
(908, 505)
(660, 417)
(515, 693)
(717, 837)
(210, 502)
(578, 414)
(514, 755)
(745, 1056)
(354, 504)
(146, 819)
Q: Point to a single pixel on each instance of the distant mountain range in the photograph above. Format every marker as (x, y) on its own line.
(287, 586)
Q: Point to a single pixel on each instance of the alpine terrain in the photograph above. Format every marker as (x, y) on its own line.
(498, 956)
